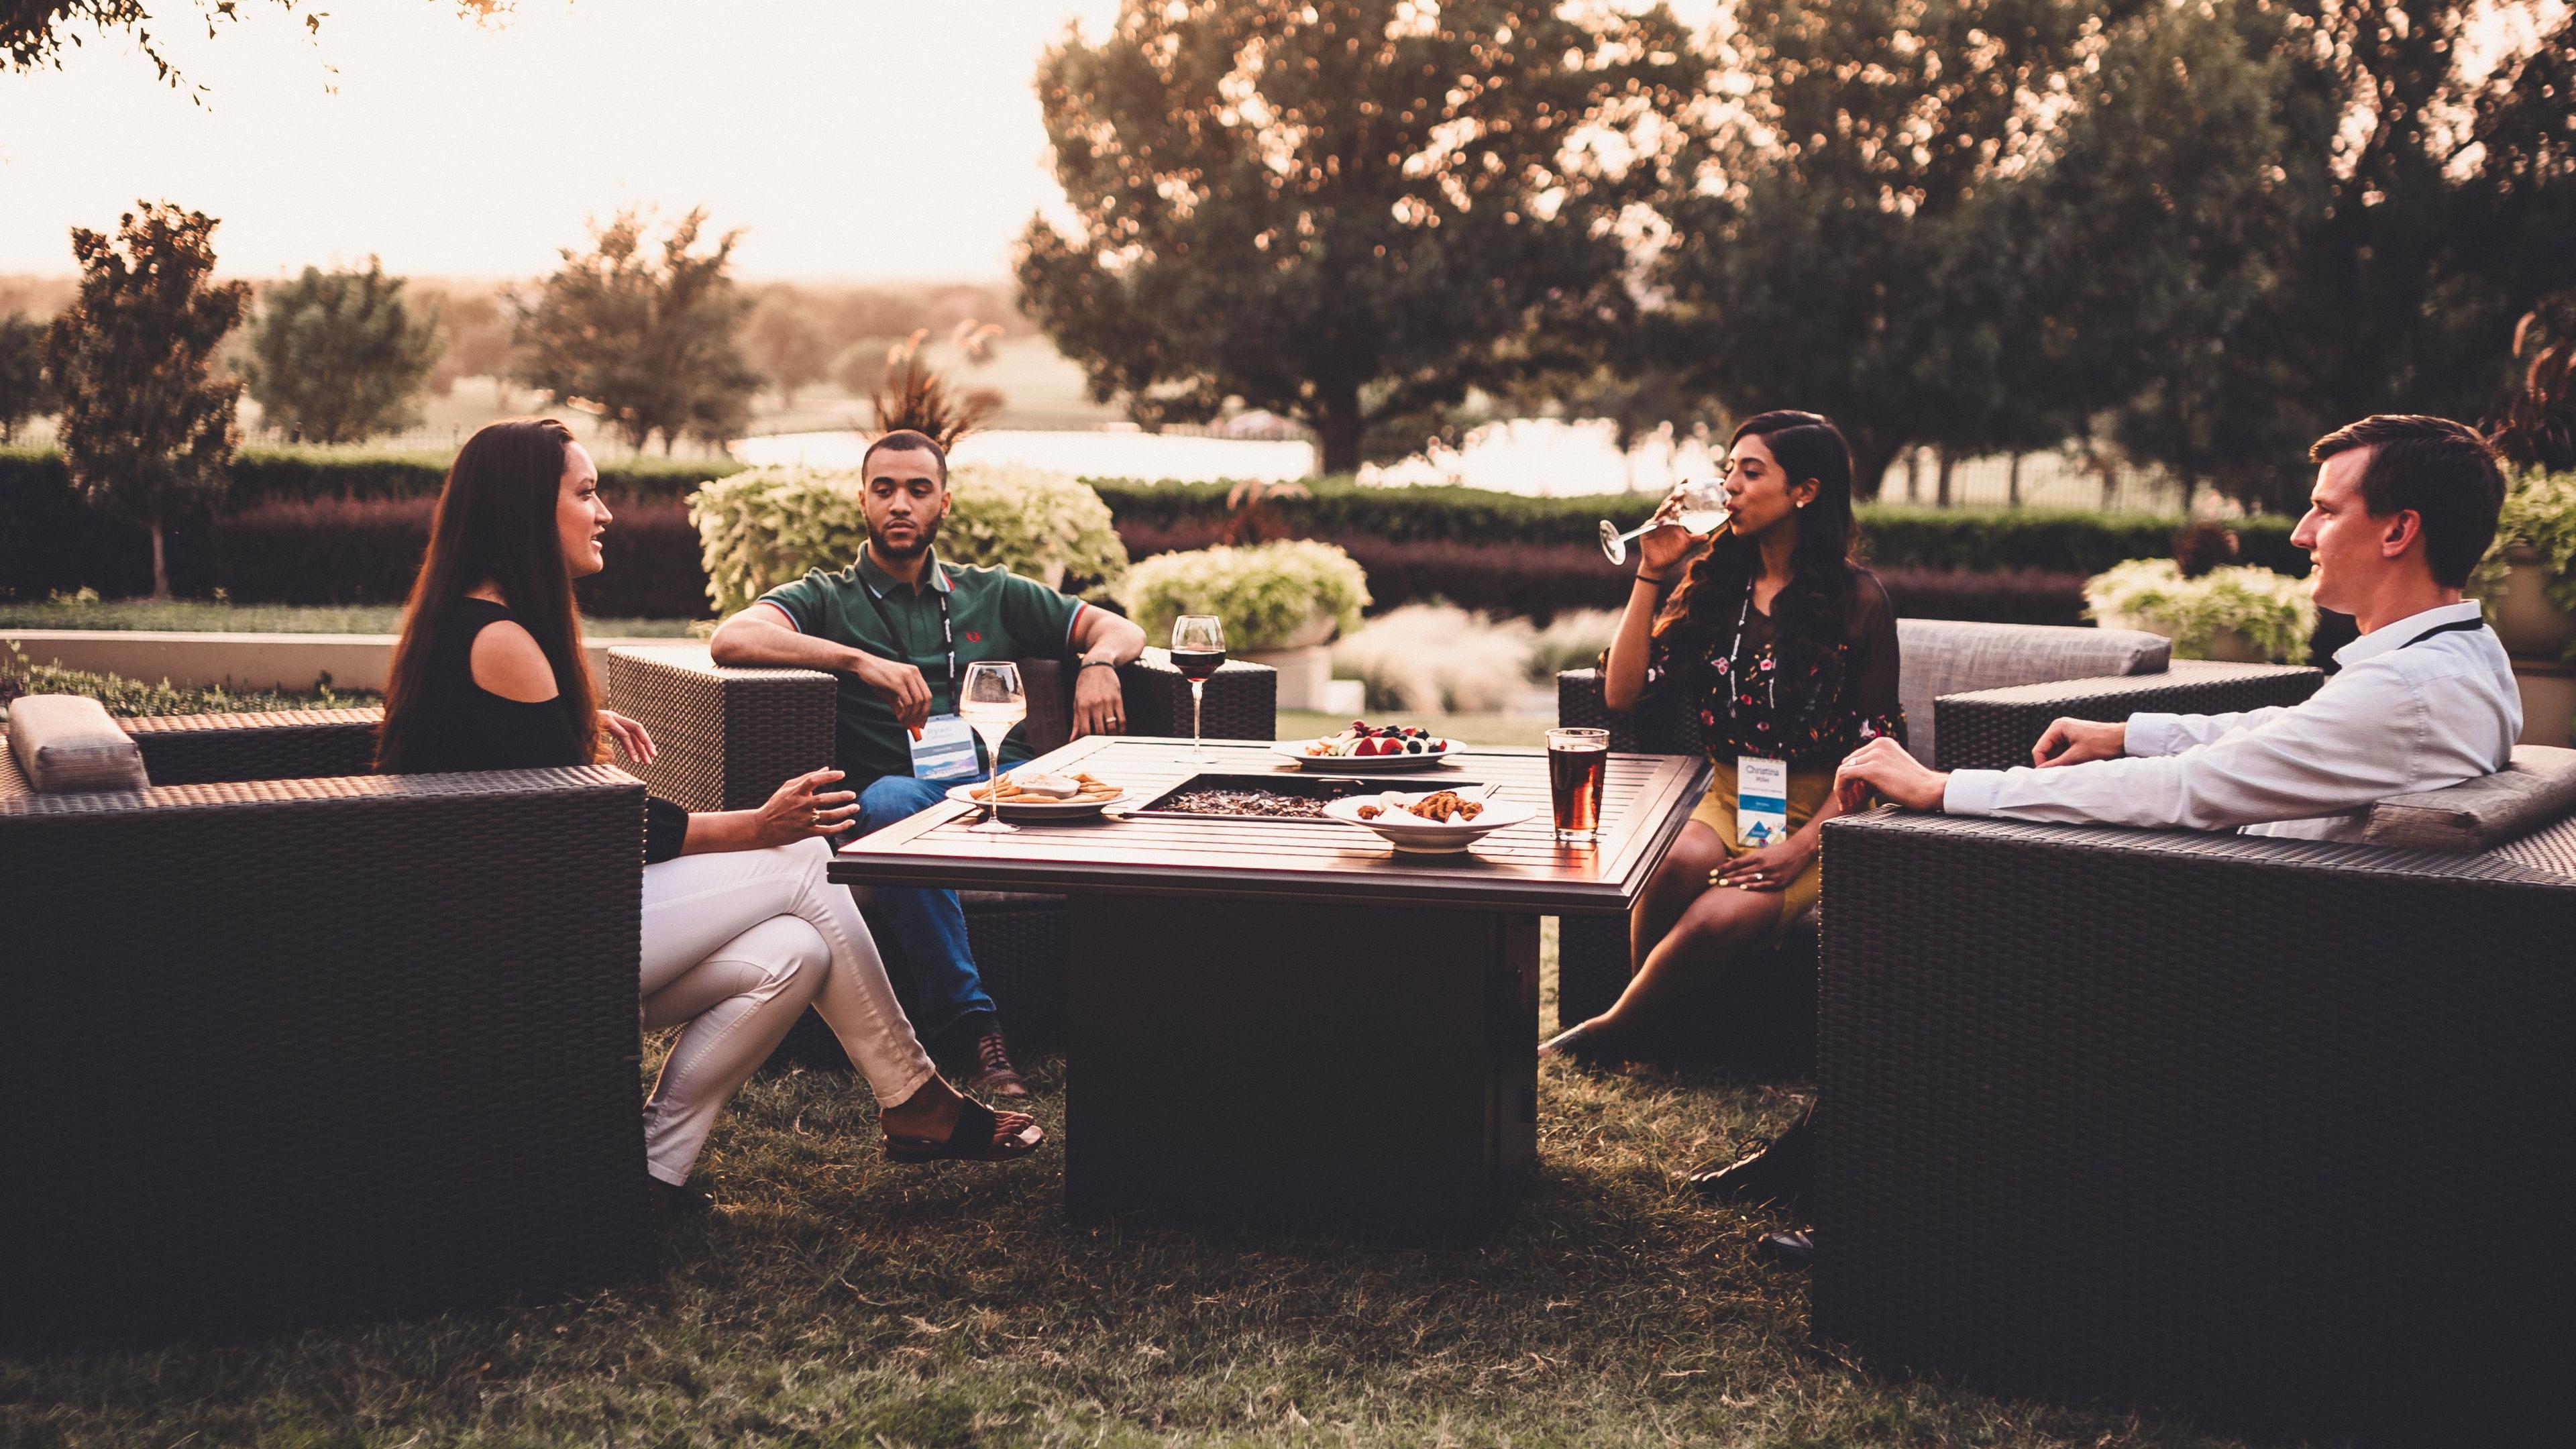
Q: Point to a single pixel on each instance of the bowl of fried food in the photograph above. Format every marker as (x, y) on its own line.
(1430, 822)
(1029, 795)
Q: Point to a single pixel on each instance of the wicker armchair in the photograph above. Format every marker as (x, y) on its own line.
(292, 1049)
(2261, 1128)
(1991, 716)
(728, 736)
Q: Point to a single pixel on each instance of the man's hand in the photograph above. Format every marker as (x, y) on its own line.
(1884, 766)
(1099, 707)
(628, 736)
(2074, 741)
(902, 687)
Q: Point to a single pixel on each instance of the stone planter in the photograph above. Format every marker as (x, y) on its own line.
(2548, 701)
(2228, 646)
(2528, 623)
(1305, 674)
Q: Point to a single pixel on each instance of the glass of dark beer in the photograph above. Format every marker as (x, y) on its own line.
(1576, 762)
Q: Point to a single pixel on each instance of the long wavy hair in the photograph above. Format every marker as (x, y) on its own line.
(1812, 612)
(495, 523)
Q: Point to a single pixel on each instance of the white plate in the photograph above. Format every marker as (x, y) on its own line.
(1074, 809)
(1296, 750)
(1407, 831)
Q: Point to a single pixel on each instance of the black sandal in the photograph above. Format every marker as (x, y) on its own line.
(971, 1140)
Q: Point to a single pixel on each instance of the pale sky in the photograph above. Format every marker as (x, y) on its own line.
(850, 138)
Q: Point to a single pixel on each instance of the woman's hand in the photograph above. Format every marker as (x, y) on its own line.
(1770, 868)
(802, 807)
(628, 736)
(1663, 546)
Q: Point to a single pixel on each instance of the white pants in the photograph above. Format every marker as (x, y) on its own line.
(736, 944)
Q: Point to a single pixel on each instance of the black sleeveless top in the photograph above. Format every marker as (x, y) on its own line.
(464, 726)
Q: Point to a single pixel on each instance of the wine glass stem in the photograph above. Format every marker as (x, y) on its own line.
(1197, 700)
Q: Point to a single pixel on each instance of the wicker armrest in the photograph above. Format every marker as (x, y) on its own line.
(1660, 726)
(723, 738)
(2174, 1116)
(195, 749)
(412, 1000)
(1242, 700)
(1994, 729)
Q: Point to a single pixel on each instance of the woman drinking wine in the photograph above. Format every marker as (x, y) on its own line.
(1784, 648)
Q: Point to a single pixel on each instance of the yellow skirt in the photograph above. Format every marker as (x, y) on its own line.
(1808, 787)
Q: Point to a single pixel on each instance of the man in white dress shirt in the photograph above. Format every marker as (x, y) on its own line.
(2402, 510)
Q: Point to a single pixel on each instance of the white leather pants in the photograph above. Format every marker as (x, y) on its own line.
(736, 944)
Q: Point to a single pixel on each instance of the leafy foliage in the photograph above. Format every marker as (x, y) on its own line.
(336, 357)
(1343, 210)
(24, 391)
(147, 426)
(133, 698)
(2538, 429)
(645, 341)
(32, 32)
(764, 527)
(1265, 594)
(2540, 515)
(2273, 611)
(786, 343)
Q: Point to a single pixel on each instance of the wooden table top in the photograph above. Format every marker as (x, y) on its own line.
(1646, 799)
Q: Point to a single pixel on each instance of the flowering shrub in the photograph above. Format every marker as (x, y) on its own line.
(2273, 611)
(1264, 594)
(767, 526)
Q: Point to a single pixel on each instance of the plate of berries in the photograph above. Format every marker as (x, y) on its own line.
(1365, 746)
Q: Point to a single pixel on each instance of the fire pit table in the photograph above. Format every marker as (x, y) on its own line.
(1285, 1020)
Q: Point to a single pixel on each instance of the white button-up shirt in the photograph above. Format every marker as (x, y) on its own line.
(2409, 711)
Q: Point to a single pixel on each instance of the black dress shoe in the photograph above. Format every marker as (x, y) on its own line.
(682, 1201)
(1781, 1171)
(1795, 1248)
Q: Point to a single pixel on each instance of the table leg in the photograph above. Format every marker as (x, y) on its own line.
(1368, 1070)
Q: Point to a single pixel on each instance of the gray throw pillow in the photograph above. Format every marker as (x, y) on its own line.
(67, 742)
(2536, 788)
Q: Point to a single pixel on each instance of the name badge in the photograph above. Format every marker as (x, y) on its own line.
(945, 751)
(1761, 800)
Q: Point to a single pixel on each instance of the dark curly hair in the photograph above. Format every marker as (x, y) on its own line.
(1812, 613)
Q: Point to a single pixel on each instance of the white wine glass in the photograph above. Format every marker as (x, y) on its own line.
(1198, 651)
(1702, 512)
(992, 701)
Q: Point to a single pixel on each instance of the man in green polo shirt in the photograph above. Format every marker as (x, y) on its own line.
(898, 627)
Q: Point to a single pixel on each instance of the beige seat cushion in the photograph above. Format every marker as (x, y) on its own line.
(2534, 789)
(1954, 656)
(65, 742)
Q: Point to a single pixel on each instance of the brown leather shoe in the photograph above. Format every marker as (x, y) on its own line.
(994, 1075)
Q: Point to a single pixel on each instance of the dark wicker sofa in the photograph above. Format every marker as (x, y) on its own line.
(727, 736)
(1976, 696)
(2261, 1128)
(289, 1043)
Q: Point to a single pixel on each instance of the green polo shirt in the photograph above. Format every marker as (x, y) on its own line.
(995, 614)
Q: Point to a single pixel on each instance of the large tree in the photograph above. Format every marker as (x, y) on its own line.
(787, 343)
(147, 424)
(1344, 210)
(340, 356)
(23, 392)
(2424, 201)
(643, 335)
(1839, 241)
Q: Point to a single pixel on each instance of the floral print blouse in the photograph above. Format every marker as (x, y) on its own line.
(1752, 701)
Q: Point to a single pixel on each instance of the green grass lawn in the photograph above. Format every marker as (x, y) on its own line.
(207, 616)
(836, 1300)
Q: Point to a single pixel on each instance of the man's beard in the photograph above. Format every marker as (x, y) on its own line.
(925, 533)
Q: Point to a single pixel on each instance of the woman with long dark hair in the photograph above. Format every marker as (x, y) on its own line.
(741, 930)
(1784, 648)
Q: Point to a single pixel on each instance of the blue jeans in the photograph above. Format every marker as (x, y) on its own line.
(931, 960)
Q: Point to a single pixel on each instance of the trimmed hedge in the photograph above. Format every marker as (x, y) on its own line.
(350, 551)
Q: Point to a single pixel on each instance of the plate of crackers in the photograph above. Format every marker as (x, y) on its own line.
(1429, 822)
(1027, 795)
